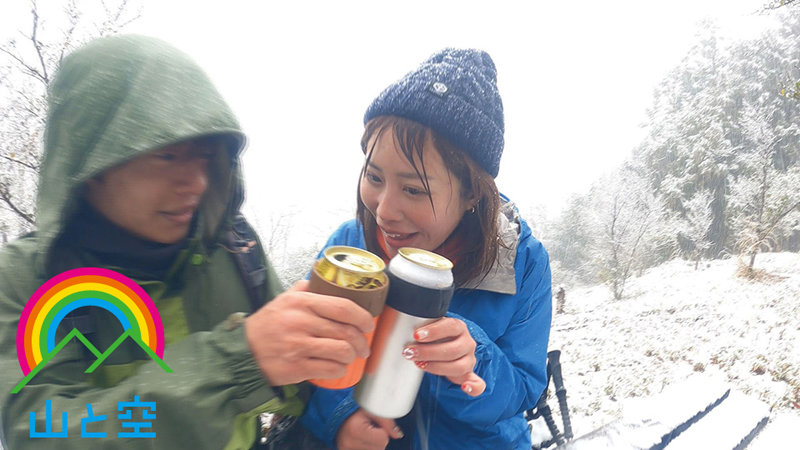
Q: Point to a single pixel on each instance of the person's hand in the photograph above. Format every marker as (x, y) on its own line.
(364, 431)
(446, 348)
(300, 335)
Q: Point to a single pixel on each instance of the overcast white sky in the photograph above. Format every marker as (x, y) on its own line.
(576, 78)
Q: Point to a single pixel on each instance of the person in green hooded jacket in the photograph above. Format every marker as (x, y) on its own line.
(141, 175)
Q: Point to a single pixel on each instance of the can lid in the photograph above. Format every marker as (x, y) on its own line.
(354, 259)
(425, 258)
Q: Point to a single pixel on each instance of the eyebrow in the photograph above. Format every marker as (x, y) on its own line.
(407, 175)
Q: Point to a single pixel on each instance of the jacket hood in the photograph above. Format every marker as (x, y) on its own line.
(502, 277)
(117, 98)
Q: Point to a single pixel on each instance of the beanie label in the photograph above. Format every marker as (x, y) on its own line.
(439, 89)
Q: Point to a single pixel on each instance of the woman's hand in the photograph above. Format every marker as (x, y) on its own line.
(365, 431)
(446, 348)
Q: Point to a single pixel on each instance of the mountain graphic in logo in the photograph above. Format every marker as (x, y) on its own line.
(77, 288)
(100, 356)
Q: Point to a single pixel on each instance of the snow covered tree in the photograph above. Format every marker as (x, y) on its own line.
(291, 263)
(696, 130)
(694, 224)
(569, 244)
(689, 148)
(790, 85)
(624, 210)
(27, 63)
(765, 195)
(537, 219)
(698, 150)
(769, 143)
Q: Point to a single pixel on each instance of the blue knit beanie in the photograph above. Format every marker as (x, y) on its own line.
(454, 92)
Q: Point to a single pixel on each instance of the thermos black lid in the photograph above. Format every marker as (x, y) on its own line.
(416, 300)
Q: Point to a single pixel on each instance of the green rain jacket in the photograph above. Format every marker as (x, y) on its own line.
(111, 101)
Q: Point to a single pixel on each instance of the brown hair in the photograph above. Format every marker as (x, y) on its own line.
(478, 231)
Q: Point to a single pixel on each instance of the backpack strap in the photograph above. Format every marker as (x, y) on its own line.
(247, 252)
(275, 431)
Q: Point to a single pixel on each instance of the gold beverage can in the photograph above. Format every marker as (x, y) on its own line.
(355, 274)
(351, 267)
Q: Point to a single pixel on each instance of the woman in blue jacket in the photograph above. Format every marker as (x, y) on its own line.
(433, 142)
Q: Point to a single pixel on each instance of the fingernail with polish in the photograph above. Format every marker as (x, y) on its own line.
(409, 353)
(466, 388)
(398, 432)
(420, 334)
(421, 364)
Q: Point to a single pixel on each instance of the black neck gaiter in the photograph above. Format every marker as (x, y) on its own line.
(91, 232)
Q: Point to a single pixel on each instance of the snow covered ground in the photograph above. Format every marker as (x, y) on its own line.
(674, 322)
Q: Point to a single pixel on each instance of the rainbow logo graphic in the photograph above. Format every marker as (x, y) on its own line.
(73, 289)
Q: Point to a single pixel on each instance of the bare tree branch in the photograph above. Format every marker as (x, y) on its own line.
(32, 71)
(37, 45)
(74, 18)
(780, 217)
(22, 163)
(128, 22)
(775, 4)
(30, 110)
(5, 197)
(114, 21)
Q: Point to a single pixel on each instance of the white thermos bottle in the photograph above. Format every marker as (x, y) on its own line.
(420, 289)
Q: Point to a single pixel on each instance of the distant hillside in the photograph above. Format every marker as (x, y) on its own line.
(675, 321)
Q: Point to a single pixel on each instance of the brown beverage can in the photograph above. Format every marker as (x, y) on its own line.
(358, 275)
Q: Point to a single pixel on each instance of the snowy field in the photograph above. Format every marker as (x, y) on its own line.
(674, 322)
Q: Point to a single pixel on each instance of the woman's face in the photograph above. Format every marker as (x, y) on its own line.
(394, 194)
